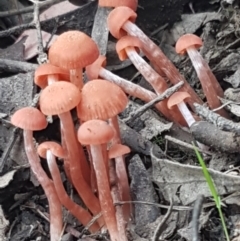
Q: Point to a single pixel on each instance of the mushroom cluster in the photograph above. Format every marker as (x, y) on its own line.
(100, 176)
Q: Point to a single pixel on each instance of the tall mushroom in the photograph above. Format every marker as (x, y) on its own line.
(190, 43)
(50, 150)
(31, 119)
(95, 133)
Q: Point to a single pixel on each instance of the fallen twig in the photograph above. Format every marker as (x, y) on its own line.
(147, 106)
(160, 226)
(14, 66)
(216, 119)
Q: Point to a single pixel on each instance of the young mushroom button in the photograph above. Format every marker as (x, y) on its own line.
(95, 133)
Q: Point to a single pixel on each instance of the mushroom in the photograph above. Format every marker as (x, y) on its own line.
(50, 150)
(121, 221)
(46, 74)
(177, 99)
(190, 43)
(121, 22)
(128, 47)
(116, 3)
(73, 50)
(95, 133)
(31, 119)
(51, 104)
(97, 70)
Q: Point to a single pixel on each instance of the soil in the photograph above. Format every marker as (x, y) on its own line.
(161, 171)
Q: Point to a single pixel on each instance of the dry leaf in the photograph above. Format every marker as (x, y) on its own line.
(6, 178)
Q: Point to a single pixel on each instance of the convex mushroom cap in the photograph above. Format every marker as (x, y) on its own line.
(44, 70)
(116, 3)
(187, 41)
(127, 41)
(95, 132)
(29, 118)
(177, 98)
(118, 150)
(54, 147)
(59, 97)
(73, 50)
(102, 100)
(117, 18)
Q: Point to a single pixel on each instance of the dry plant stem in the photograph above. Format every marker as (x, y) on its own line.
(161, 63)
(208, 88)
(76, 173)
(123, 185)
(104, 193)
(81, 214)
(157, 82)
(130, 88)
(116, 198)
(76, 78)
(55, 207)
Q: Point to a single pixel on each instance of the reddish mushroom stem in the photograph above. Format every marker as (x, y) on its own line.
(80, 184)
(123, 185)
(120, 23)
(209, 89)
(55, 207)
(81, 214)
(76, 77)
(121, 222)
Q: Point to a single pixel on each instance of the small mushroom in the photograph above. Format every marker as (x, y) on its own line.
(95, 133)
(190, 43)
(31, 119)
(50, 150)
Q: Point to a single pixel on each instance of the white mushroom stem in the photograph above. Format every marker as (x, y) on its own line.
(186, 113)
(104, 192)
(52, 78)
(189, 119)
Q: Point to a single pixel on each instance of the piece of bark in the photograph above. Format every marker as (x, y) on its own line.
(210, 135)
(142, 190)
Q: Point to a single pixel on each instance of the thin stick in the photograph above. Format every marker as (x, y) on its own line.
(195, 217)
(187, 145)
(160, 226)
(150, 104)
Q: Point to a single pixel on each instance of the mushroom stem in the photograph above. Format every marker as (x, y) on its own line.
(160, 62)
(55, 207)
(123, 185)
(81, 214)
(76, 78)
(209, 88)
(105, 197)
(186, 113)
(121, 222)
(52, 78)
(78, 180)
